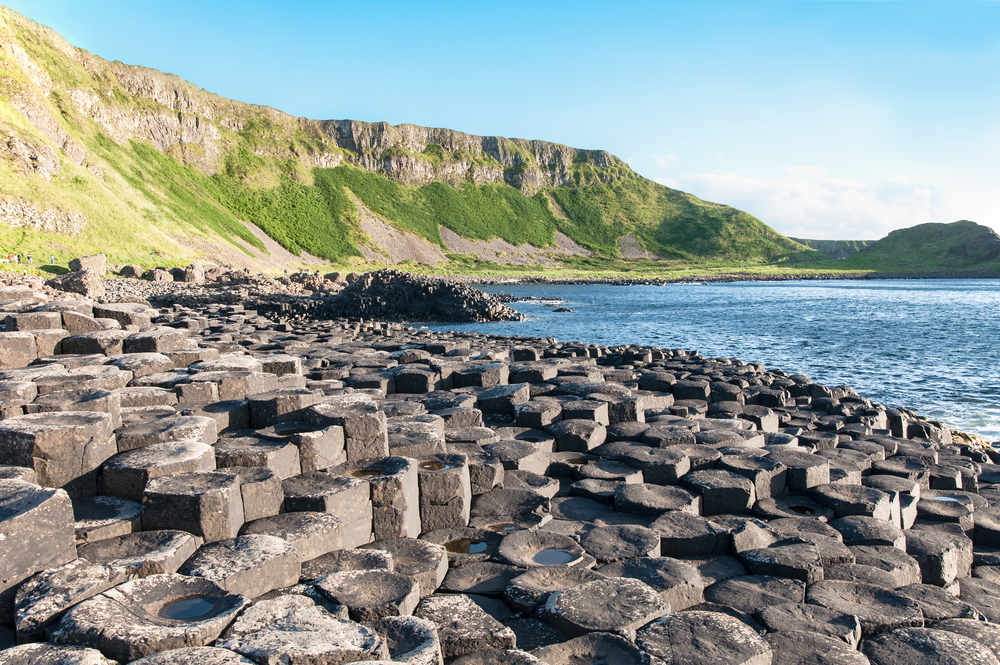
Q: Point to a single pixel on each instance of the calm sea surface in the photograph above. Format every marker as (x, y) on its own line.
(930, 345)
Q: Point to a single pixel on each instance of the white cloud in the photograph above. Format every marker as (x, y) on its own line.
(809, 202)
(663, 161)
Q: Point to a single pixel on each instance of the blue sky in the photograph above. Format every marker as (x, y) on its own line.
(826, 119)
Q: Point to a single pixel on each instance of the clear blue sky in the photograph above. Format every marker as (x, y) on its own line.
(826, 119)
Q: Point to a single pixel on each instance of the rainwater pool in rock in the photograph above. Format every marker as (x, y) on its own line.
(929, 345)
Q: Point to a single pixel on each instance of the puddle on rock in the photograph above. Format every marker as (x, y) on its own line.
(366, 473)
(553, 557)
(434, 466)
(466, 546)
(504, 527)
(946, 498)
(189, 608)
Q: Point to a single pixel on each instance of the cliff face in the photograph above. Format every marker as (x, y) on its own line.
(110, 150)
(136, 103)
(401, 153)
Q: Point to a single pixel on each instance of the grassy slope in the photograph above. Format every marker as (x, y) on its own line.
(962, 245)
(264, 175)
(143, 201)
(838, 249)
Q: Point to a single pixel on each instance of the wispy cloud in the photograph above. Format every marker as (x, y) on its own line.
(809, 202)
(664, 160)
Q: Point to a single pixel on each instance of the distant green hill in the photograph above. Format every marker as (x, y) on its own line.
(146, 167)
(962, 245)
(838, 249)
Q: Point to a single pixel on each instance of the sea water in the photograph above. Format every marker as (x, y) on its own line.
(929, 345)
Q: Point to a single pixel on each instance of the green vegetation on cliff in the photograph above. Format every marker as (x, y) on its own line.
(153, 169)
(962, 245)
(838, 249)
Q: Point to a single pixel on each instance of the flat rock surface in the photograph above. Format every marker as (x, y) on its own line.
(294, 629)
(703, 637)
(609, 605)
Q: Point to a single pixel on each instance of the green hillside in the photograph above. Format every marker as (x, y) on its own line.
(962, 245)
(103, 156)
(838, 249)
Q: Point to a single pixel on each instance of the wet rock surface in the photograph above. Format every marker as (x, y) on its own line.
(226, 473)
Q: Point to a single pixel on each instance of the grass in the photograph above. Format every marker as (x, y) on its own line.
(838, 249)
(178, 188)
(960, 245)
(479, 212)
(297, 216)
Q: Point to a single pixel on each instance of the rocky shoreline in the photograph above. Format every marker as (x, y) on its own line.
(204, 481)
(729, 278)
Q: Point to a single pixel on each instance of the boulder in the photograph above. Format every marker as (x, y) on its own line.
(94, 262)
(85, 282)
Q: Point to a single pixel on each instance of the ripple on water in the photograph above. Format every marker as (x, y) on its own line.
(883, 338)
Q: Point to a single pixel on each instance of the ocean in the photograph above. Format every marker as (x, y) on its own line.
(930, 345)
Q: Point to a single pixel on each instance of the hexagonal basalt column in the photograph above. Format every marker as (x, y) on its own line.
(312, 534)
(43, 654)
(44, 597)
(36, 532)
(703, 637)
(370, 595)
(171, 428)
(445, 492)
(282, 405)
(294, 629)
(319, 448)
(249, 451)
(65, 449)
(143, 554)
(346, 498)
(81, 399)
(127, 474)
(612, 605)
(395, 496)
(462, 626)
(208, 504)
(365, 434)
(142, 617)
(249, 565)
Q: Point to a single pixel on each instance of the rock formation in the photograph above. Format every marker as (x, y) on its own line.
(203, 483)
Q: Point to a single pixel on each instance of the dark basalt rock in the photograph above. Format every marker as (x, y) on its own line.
(593, 648)
(912, 646)
(371, 594)
(462, 626)
(51, 654)
(530, 590)
(703, 637)
(612, 605)
(393, 294)
(142, 617)
(813, 619)
(878, 609)
(753, 593)
(294, 629)
(345, 441)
